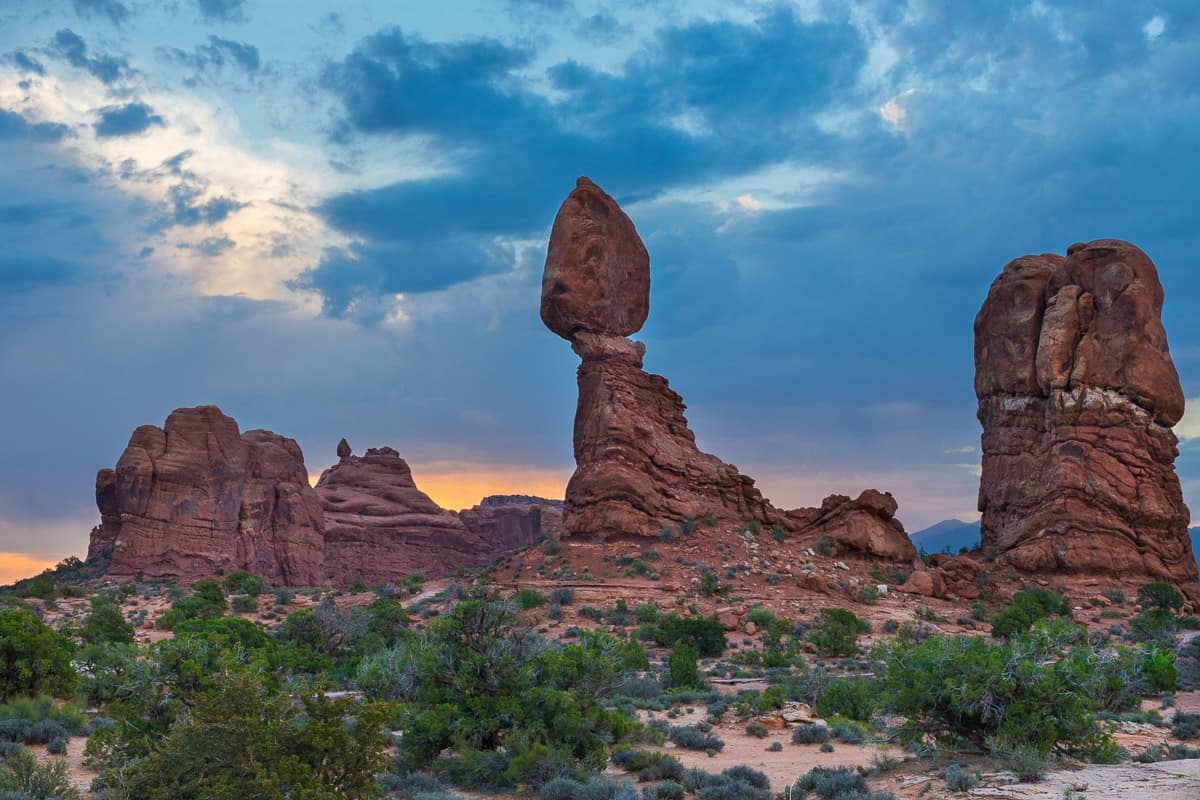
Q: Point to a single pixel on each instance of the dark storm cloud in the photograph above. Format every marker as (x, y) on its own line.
(126, 120)
(115, 11)
(15, 126)
(216, 54)
(221, 10)
(626, 130)
(27, 63)
(24, 272)
(186, 208)
(71, 47)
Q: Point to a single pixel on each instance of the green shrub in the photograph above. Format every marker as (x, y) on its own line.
(705, 634)
(244, 604)
(105, 623)
(837, 632)
(959, 780)
(242, 582)
(691, 737)
(33, 657)
(667, 790)
(855, 698)
(1185, 726)
(710, 583)
(1028, 762)
(24, 777)
(757, 731)
(1029, 606)
(830, 784)
(682, 668)
(1160, 672)
(1034, 688)
(845, 730)
(648, 765)
(42, 587)
(479, 679)
(810, 733)
(1160, 596)
(527, 599)
(762, 617)
(562, 595)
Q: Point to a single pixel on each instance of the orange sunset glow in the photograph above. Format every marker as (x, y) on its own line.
(457, 485)
(15, 566)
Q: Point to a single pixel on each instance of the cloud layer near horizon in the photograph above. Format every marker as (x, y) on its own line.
(333, 223)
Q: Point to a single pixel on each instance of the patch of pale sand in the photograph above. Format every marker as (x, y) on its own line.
(81, 776)
(782, 767)
(1168, 780)
(1188, 701)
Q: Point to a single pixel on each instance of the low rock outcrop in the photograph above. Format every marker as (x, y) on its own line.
(197, 495)
(638, 468)
(380, 526)
(1077, 398)
(513, 521)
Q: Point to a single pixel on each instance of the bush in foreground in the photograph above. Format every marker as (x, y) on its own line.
(1041, 689)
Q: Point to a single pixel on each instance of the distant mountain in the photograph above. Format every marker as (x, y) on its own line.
(1195, 532)
(953, 534)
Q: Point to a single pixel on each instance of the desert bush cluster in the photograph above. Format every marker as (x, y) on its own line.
(462, 692)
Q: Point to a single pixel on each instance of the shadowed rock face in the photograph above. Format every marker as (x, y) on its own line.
(511, 522)
(637, 465)
(196, 495)
(379, 526)
(1077, 397)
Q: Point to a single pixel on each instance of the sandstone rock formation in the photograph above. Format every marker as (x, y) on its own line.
(637, 465)
(197, 495)
(1077, 398)
(866, 524)
(379, 526)
(513, 521)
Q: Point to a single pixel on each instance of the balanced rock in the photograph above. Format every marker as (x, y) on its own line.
(379, 526)
(1077, 397)
(597, 277)
(197, 495)
(638, 468)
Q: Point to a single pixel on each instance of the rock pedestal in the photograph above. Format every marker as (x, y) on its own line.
(638, 469)
(1077, 398)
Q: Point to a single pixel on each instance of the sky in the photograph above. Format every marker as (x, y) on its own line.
(330, 219)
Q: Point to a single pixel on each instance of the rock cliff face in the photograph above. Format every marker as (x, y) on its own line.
(379, 526)
(511, 522)
(1077, 398)
(637, 465)
(197, 495)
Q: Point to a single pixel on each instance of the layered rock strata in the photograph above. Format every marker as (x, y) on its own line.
(197, 495)
(380, 526)
(1077, 397)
